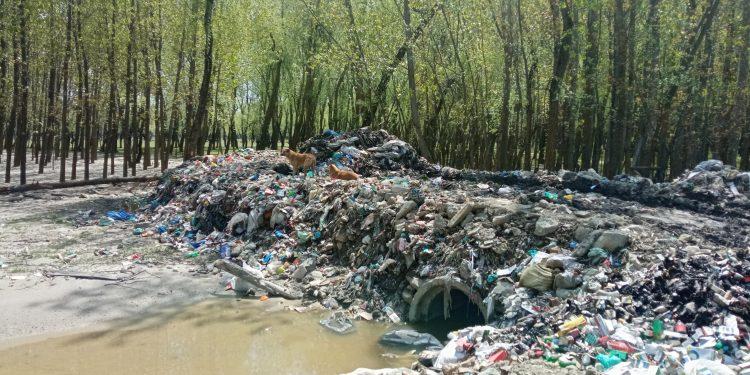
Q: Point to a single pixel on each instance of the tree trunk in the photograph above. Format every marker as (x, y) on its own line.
(416, 124)
(590, 89)
(10, 133)
(146, 121)
(192, 145)
(643, 153)
(616, 135)
(739, 111)
(22, 135)
(3, 85)
(64, 134)
(563, 42)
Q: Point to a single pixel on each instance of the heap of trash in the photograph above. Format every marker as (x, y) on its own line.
(623, 275)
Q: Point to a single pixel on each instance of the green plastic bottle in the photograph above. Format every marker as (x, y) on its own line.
(658, 328)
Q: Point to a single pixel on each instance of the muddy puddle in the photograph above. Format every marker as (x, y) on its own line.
(225, 336)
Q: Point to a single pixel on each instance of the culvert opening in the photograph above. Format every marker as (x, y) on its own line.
(439, 320)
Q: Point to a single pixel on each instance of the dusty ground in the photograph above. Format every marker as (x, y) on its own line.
(40, 232)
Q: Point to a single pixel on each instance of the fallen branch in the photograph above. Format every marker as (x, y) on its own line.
(86, 276)
(70, 184)
(255, 277)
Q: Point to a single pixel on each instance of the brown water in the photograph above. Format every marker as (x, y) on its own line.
(218, 337)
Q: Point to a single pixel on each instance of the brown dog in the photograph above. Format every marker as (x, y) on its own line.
(341, 174)
(298, 160)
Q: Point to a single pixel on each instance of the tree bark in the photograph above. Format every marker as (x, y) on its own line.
(414, 120)
(192, 147)
(616, 135)
(563, 42)
(590, 89)
(22, 135)
(739, 111)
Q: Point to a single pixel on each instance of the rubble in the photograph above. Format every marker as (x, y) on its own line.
(570, 268)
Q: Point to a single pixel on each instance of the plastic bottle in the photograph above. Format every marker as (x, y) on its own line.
(658, 327)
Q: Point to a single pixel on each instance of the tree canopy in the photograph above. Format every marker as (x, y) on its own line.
(637, 86)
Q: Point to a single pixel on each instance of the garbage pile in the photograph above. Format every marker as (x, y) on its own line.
(368, 151)
(711, 187)
(558, 268)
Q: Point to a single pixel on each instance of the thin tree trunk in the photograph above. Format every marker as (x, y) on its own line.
(10, 134)
(643, 153)
(193, 145)
(563, 43)
(23, 112)
(616, 136)
(64, 135)
(739, 111)
(146, 124)
(590, 90)
(414, 120)
(3, 85)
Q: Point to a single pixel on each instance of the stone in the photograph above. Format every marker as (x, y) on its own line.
(501, 219)
(612, 240)
(546, 226)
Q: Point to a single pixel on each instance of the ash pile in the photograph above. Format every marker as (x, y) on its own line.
(622, 275)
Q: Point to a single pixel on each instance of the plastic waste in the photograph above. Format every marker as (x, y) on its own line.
(410, 338)
(339, 323)
(608, 360)
(658, 328)
(572, 324)
(391, 315)
(121, 215)
(225, 251)
(704, 366)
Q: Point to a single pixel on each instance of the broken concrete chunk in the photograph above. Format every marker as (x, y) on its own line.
(546, 226)
(461, 215)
